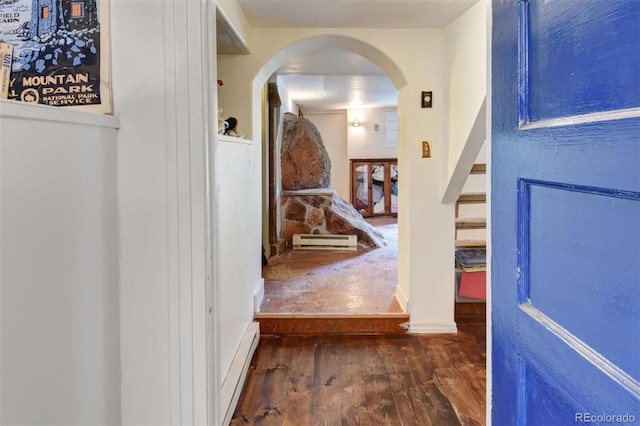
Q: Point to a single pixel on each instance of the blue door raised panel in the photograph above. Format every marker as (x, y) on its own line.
(565, 212)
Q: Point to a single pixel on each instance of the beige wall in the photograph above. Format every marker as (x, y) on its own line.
(364, 140)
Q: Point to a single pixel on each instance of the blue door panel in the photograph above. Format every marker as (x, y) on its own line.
(578, 154)
(565, 210)
(503, 403)
(579, 376)
(542, 406)
(569, 62)
(562, 265)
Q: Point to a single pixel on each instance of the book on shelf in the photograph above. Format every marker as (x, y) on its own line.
(471, 259)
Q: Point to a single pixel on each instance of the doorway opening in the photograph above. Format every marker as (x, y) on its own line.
(337, 285)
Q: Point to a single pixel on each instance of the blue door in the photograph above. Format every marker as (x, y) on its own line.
(565, 212)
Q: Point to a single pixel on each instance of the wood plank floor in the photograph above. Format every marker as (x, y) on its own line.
(367, 380)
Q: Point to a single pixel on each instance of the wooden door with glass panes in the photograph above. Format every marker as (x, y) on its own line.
(374, 186)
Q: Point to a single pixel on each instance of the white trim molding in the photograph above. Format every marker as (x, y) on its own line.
(192, 331)
(26, 111)
(575, 120)
(258, 296)
(433, 328)
(402, 299)
(232, 385)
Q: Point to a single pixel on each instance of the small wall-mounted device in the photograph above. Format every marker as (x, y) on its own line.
(376, 127)
(426, 149)
(427, 98)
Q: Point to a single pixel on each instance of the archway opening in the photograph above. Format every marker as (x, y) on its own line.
(268, 122)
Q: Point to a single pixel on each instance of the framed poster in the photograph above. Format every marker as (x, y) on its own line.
(60, 52)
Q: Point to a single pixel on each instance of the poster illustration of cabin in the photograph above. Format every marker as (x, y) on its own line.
(60, 52)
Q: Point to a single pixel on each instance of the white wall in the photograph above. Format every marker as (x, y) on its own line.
(240, 256)
(333, 129)
(287, 103)
(59, 321)
(164, 94)
(466, 76)
(139, 96)
(364, 140)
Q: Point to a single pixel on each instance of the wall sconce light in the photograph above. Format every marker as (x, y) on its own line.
(355, 123)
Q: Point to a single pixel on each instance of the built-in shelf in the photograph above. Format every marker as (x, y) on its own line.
(233, 139)
(228, 39)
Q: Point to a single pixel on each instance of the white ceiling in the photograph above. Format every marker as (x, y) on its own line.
(354, 13)
(332, 79)
(335, 79)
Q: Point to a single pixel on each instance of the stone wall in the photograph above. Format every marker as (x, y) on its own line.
(321, 211)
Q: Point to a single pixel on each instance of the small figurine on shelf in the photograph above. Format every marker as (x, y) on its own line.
(232, 128)
(222, 125)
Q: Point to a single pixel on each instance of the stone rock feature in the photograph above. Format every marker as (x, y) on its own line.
(321, 211)
(305, 163)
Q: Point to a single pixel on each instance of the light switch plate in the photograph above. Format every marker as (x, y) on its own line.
(427, 99)
(426, 149)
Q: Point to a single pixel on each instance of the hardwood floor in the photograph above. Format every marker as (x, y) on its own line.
(367, 380)
(335, 282)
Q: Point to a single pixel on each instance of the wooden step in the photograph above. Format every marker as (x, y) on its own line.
(470, 312)
(472, 198)
(478, 169)
(471, 223)
(300, 323)
(471, 243)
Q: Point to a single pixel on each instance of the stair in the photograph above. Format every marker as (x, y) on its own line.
(472, 198)
(471, 223)
(466, 309)
(300, 323)
(471, 243)
(478, 169)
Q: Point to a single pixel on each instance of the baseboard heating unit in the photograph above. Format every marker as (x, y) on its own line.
(325, 242)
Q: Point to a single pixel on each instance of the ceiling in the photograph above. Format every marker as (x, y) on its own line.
(332, 79)
(354, 13)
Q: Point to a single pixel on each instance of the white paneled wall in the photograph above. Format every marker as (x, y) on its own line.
(59, 308)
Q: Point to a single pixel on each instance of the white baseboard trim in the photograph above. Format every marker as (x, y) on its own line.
(402, 299)
(432, 327)
(232, 385)
(258, 296)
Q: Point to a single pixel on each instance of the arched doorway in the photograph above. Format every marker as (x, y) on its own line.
(264, 76)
